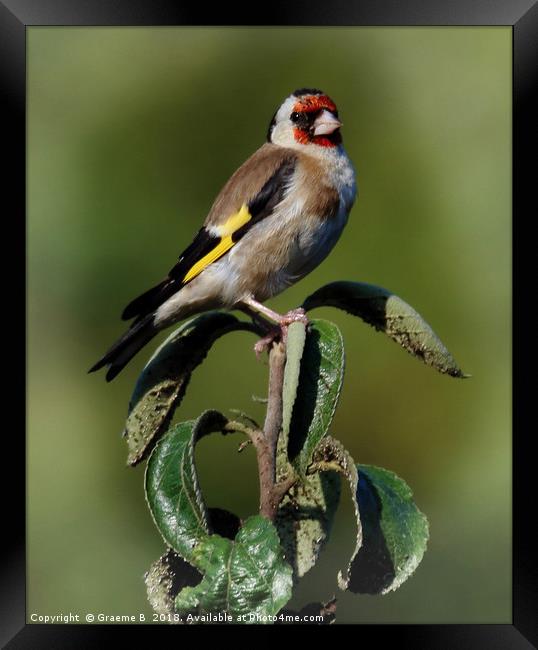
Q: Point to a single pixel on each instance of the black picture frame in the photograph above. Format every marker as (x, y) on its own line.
(15, 17)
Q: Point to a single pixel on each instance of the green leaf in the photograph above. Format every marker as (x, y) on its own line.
(163, 381)
(294, 351)
(305, 518)
(320, 383)
(243, 578)
(172, 488)
(330, 454)
(394, 531)
(166, 578)
(388, 313)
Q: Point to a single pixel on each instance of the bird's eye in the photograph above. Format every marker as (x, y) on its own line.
(294, 117)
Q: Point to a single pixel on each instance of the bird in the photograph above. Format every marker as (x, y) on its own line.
(274, 221)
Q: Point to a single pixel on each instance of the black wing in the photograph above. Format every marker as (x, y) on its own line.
(202, 244)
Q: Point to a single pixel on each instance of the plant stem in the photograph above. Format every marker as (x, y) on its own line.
(273, 417)
(266, 442)
(272, 493)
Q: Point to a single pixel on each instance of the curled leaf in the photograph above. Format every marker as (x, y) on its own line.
(166, 578)
(247, 579)
(305, 518)
(392, 533)
(163, 381)
(395, 533)
(320, 383)
(331, 455)
(294, 351)
(390, 314)
(172, 488)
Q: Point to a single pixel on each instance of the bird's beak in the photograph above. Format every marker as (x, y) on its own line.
(326, 123)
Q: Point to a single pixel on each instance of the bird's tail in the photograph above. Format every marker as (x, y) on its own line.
(125, 348)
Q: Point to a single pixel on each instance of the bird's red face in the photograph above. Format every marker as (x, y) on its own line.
(306, 117)
(315, 121)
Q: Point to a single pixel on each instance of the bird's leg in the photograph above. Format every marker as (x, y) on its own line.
(254, 308)
(283, 321)
(272, 332)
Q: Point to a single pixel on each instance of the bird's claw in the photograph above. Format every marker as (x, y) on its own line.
(266, 341)
(281, 331)
(294, 316)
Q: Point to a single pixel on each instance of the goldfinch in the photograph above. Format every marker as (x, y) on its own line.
(274, 221)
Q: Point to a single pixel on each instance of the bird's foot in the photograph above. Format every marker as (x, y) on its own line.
(294, 316)
(281, 330)
(267, 341)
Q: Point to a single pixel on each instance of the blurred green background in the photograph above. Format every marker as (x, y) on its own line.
(131, 133)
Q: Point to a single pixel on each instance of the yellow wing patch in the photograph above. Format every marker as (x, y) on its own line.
(235, 222)
(225, 231)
